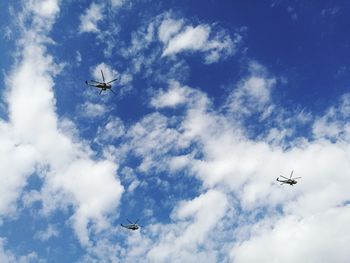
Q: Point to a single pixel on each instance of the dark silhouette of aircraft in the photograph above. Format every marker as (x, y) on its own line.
(101, 85)
(291, 181)
(131, 226)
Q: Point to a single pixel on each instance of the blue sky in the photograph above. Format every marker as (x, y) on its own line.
(214, 100)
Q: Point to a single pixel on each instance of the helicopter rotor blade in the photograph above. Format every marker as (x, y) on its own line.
(112, 81)
(129, 221)
(291, 174)
(88, 84)
(100, 92)
(91, 85)
(296, 178)
(113, 91)
(136, 221)
(96, 81)
(284, 177)
(103, 77)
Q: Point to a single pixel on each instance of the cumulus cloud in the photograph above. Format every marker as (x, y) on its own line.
(182, 244)
(253, 94)
(90, 19)
(191, 38)
(238, 213)
(178, 37)
(175, 95)
(247, 168)
(113, 129)
(91, 186)
(46, 8)
(92, 110)
(167, 36)
(143, 140)
(17, 163)
(168, 28)
(317, 238)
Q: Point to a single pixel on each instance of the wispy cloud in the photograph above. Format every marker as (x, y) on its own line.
(50, 232)
(7, 255)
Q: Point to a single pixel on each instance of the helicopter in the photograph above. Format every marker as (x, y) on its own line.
(291, 181)
(101, 85)
(131, 226)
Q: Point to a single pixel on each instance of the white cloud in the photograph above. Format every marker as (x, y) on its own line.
(333, 124)
(94, 190)
(143, 139)
(90, 19)
(175, 95)
(34, 139)
(134, 184)
(94, 16)
(272, 222)
(78, 58)
(113, 129)
(118, 3)
(183, 243)
(49, 232)
(317, 238)
(92, 110)
(108, 72)
(137, 51)
(7, 256)
(168, 28)
(269, 213)
(191, 38)
(46, 8)
(253, 94)
(178, 37)
(17, 163)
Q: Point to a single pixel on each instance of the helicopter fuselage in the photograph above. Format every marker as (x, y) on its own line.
(289, 181)
(131, 227)
(103, 86)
